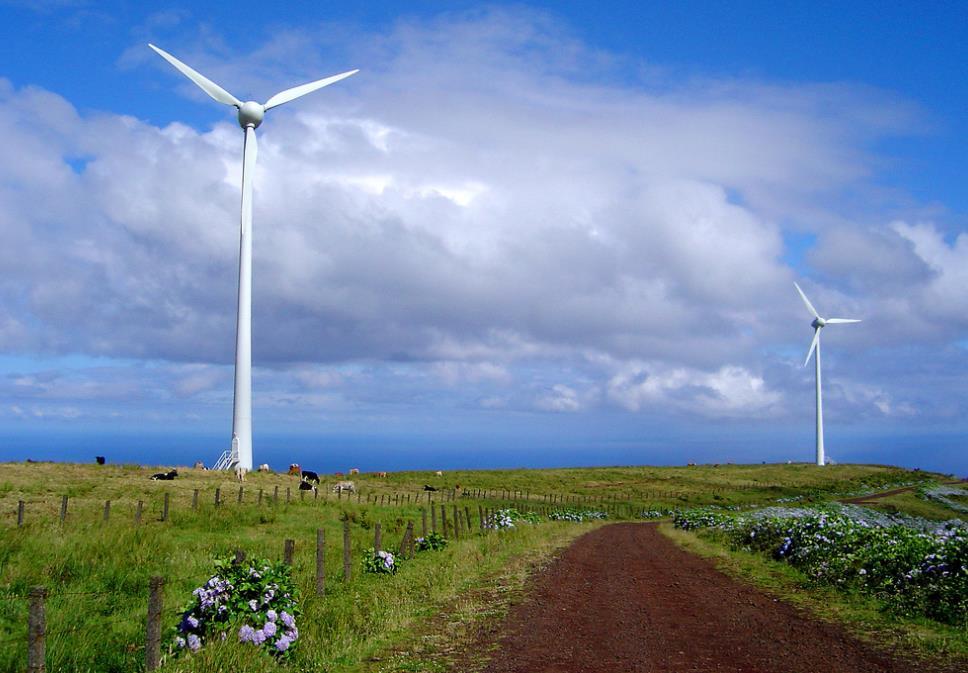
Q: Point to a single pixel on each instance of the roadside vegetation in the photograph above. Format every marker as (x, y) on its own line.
(897, 574)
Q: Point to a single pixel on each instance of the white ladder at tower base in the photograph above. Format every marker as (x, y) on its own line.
(224, 461)
(230, 458)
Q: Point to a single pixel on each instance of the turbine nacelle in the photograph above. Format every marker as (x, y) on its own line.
(818, 322)
(251, 114)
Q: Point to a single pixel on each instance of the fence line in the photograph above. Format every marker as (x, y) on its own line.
(612, 503)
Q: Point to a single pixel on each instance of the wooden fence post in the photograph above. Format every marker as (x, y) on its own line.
(467, 519)
(288, 495)
(423, 520)
(456, 523)
(377, 536)
(164, 509)
(218, 496)
(260, 496)
(138, 510)
(346, 551)
(320, 562)
(63, 513)
(275, 496)
(153, 638)
(36, 632)
(287, 551)
(443, 518)
(20, 513)
(195, 499)
(241, 492)
(433, 518)
(480, 515)
(107, 510)
(406, 545)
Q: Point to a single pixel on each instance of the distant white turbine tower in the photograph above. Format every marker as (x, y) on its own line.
(818, 324)
(250, 116)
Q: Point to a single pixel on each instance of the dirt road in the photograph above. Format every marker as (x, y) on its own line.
(624, 598)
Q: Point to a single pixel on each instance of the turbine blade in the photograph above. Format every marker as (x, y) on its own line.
(806, 301)
(205, 84)
(813, 345)
(840, 320)
(301, 90)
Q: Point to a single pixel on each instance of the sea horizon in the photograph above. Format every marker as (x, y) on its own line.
(329, 453)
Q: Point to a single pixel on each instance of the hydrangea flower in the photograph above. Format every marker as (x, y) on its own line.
(266, 597)
(246, 634)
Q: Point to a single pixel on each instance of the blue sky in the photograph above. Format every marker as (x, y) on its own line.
(524, 233)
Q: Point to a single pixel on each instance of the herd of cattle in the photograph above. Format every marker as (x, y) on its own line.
(308, 480)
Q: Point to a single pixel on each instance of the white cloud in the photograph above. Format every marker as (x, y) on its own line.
(452, 373)
(730, 392)
(561, 398)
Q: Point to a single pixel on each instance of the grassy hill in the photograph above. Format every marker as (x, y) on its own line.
(97, 571)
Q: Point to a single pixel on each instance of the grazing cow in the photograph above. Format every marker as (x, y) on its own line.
(348, 486)
(240, 473)
(264, 467)
(306, 486)
(199, 465)
(439, 473)
(310, 476)
(382, 474)
(428, 487)
(99, 460)
(354, 470)
(295, 470)
(165, 476)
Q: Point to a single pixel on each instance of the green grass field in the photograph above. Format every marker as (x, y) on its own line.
(97, 571)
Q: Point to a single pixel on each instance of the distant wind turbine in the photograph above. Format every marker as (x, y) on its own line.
(250, 116)
(818, 324)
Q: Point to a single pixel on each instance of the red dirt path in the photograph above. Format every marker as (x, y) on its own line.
(624, 598)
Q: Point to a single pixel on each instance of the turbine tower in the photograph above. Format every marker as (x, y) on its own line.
(250, 115)
(818, 324)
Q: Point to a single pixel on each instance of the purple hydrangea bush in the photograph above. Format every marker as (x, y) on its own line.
(254, 601)
(379, 562)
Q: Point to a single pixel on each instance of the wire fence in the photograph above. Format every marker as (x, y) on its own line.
(162, 506)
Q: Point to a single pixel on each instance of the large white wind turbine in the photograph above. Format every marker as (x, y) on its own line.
(818, 324)
(250, 116)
